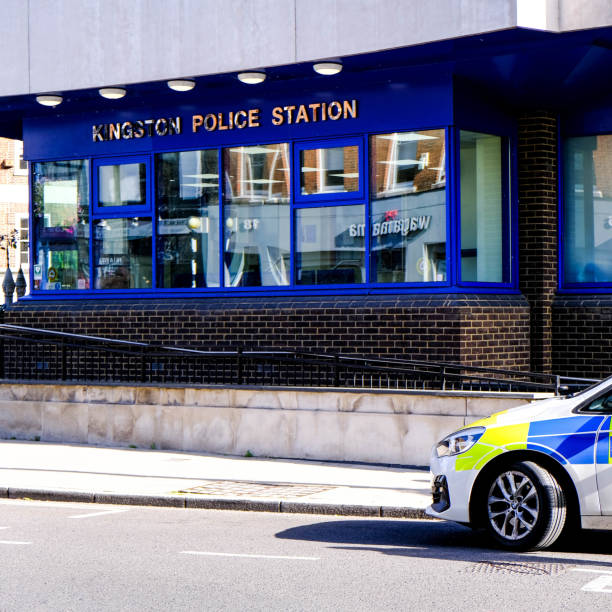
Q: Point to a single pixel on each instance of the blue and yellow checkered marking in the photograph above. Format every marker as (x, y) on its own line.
(568, 440)
(572, 438)
(603, 453)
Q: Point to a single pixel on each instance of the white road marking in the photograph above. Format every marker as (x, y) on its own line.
(590, 571)
(14, 542)
(3, 527)
(80, 516)
(217, 554)
(30, 503)
(601, 584)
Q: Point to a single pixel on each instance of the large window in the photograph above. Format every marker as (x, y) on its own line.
(408, 210)
(372, 212)
(60, 193)
(188, 219)
(484, 209)
(122, 225)
(587, 231)
(256, 214)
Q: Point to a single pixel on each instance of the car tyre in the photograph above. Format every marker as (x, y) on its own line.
(525, 508)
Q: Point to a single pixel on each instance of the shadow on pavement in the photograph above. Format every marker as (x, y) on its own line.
(440, 540)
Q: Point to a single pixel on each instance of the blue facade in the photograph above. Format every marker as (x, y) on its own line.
(328, 113)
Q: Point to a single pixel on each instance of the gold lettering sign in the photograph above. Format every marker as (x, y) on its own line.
(163, 126)
(240, 119)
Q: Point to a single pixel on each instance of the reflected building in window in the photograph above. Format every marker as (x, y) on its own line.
(14, 217)
(187, 198)
(408, 207)
(256, 216)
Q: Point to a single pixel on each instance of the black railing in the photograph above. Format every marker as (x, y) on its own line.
(29, 354)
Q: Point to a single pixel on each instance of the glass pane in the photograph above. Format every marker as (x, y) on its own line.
(122, 253)
(122, 185)
(330, 245)
(256, 225)
(408, 225)
(329, 170)
(188, 219)
(407, 162)
(482, 232)
(588, 210)
(60, 194)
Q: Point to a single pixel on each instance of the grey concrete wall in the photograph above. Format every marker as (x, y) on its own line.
(61, 45)
(376, 427)
(582, 14)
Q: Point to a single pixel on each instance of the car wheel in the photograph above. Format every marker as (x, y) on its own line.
(525, 508)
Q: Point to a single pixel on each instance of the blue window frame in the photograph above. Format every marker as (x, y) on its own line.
(329, 214)
(257, 215)
(586, 214)
(60, 197)
(326, 170)
(483, 227)
(187, 219)
(409, 209)
(373, 212)
(122, 224)
(122, 185)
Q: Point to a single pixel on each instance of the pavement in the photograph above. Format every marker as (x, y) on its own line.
(93, 474)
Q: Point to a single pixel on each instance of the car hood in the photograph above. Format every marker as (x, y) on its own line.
(554, 407)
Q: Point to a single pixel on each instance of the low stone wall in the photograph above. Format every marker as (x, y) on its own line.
(374, 427)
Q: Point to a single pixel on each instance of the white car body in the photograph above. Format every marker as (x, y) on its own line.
(569, 437)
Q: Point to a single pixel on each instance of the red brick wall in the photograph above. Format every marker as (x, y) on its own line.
(480, 330)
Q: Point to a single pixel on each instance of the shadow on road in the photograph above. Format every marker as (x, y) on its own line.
(440, 540)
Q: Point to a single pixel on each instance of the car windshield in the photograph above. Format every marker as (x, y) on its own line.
(598, 386)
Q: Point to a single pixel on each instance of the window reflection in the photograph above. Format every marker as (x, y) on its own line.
(330, 245)
(408, 224)
(257, 174)
(122, 253)
(188, 219)
(60, 193)
(329, 170)
(588, 209)
(256, 225)
(482, 238)
(122, 185)
(408, 162)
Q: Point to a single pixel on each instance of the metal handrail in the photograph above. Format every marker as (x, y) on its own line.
(28, 353)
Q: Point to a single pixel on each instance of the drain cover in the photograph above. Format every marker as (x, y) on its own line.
(255, 489)
(509, 567)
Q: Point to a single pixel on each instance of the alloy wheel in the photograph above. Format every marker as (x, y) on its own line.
(513, 505)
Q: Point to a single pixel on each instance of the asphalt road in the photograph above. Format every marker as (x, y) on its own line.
(56, 556)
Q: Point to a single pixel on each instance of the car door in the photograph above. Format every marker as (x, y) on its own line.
(604, 467)
(603, 451)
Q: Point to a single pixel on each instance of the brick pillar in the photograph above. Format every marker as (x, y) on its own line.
(538, 228)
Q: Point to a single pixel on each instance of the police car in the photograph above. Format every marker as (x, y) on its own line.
(528, 473)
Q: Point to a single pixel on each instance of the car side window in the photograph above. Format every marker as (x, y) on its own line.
(602, 404)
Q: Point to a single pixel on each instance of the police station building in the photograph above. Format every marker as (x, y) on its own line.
(404, 179)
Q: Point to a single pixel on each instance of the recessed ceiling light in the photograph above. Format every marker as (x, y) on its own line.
(49, 100)
(112, 93)
(252, 78)
(327, 68)
(181, 84)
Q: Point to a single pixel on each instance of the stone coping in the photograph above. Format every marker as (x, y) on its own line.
(523, 395)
